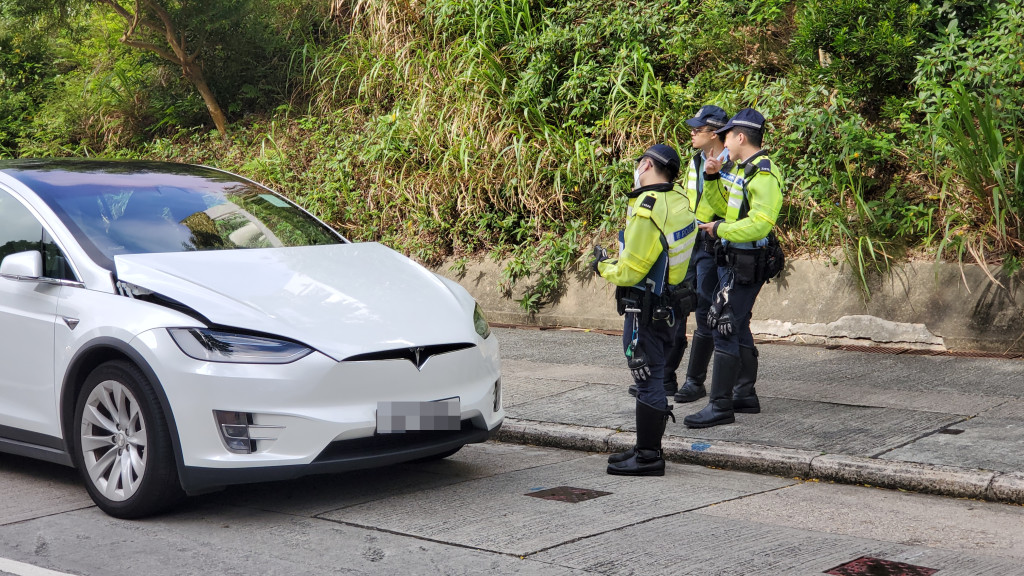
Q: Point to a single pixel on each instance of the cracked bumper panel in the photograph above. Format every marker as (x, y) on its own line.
(312, 402)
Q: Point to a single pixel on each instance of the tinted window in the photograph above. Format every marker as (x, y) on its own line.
(132, 208)
(20, 231)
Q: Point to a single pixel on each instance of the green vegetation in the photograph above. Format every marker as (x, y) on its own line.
(451, 127)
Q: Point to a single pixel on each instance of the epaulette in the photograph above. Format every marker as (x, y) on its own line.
(646, 205)
(765, 165)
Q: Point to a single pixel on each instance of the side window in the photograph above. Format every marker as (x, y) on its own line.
(20, 231)
(55, 265)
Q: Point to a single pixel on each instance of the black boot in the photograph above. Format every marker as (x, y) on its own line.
(744, 399)
(641, 407)
(719, 409)
(670, 387)
(644, 459)
(697, 369)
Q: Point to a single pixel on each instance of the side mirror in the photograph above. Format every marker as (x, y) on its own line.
(23, 266)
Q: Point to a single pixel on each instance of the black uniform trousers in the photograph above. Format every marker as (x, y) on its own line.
(675, 353)
(741, 299)
(654, 341)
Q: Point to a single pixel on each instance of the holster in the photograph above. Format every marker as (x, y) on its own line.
(747, 265)
(629, 298)
(707, 242)
(758, 265)
(720, 252)
(682, 298)
(774, 258)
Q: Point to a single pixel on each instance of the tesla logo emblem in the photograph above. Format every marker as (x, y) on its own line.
(417, 354)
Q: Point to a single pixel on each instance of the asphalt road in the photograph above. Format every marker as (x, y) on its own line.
(481, 511)
(477, 513)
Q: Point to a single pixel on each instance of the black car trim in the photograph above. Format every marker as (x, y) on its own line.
(418, 355)
(67, 412)
(34, 445)
(196, 480)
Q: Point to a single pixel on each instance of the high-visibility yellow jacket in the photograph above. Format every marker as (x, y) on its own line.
(724, 192)
(654, 212)
(691, 184)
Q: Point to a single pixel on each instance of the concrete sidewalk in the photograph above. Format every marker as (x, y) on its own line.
(940, 424)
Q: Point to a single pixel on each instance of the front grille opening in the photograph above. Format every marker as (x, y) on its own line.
(415, 354)
(386, 443)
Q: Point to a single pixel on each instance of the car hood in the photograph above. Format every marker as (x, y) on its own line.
(341, 299)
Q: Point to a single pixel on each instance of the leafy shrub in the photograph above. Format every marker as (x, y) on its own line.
(867, 48)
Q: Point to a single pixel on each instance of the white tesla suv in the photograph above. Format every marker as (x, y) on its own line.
(170, 329)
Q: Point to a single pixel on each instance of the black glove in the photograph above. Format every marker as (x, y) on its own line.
(599, 254)
(720, 313)
(725, 321)
(639, 367)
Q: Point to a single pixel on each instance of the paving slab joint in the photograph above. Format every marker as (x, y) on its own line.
(1007, 487)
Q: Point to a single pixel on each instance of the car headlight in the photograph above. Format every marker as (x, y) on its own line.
(217, 346)
(480, 323)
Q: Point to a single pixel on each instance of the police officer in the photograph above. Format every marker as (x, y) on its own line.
(702, 272)
(654, 255)
(709, 145)
(748, 191)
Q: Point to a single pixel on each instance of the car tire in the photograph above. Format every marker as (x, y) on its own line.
(122, 447)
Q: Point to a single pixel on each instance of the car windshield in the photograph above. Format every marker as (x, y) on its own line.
(133, 208)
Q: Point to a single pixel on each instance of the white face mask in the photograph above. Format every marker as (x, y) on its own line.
(636, 174)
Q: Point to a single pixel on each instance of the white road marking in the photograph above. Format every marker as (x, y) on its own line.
(22, 569)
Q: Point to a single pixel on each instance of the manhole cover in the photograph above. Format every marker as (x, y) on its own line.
(567, 494)
(868, 566)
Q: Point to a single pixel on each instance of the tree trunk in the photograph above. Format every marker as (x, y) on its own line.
(164, 27)
(194, 73)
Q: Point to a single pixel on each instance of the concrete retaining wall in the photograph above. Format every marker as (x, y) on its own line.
(919, 305)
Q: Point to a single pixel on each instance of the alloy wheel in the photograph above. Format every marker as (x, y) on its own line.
(113, 440)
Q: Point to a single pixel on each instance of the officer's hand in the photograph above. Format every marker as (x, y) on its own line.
(600, 254)
(712, 166)
(708, 227)
(725, 322)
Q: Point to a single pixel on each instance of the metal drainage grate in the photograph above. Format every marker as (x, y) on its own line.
(868, 566)
(567, 494)
(872, 349)
(922, 352)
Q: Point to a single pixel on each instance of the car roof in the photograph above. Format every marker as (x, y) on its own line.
(22, 169)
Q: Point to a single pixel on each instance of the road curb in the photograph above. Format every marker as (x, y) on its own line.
(1005, 487)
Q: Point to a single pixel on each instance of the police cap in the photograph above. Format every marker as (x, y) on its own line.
(709, 116)
(746, 118)
(666, 156)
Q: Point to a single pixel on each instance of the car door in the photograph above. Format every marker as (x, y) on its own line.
(28, 401)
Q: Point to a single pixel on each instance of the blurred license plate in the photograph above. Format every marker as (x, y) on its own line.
(398, 417)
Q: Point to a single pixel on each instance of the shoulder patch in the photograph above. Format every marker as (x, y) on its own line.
(648, 201)
(765, 165)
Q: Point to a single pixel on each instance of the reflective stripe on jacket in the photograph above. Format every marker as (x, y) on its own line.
(693, 185)
(724, 191)
(654, 211)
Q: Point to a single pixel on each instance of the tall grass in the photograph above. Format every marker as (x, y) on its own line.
(984, 157)
(452, 125)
